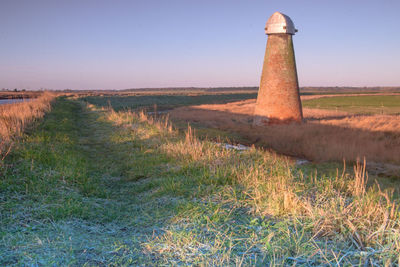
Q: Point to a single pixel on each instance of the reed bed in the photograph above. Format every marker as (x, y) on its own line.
(14, 118)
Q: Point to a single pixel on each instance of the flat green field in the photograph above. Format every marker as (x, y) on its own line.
(165, 101)
(379, 104)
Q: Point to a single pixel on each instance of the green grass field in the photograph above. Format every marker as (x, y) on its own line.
(90, 187)
(380, 104)
(165, 101)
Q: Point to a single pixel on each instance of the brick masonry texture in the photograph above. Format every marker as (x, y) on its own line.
(278, 98)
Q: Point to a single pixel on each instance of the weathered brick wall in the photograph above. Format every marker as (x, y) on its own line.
(278, 98)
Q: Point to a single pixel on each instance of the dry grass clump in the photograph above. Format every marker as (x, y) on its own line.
(162, 123)
(192, 149)
(322, 141)
(189, 146)
(14, 118)
(387, 124)
(340, 207)
(326, 134)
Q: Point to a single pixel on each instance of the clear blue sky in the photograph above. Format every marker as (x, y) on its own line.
(115, 44)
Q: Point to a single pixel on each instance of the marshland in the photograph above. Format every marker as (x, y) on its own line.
(199, 133)
(86, 183)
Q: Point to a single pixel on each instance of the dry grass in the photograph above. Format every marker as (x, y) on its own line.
(14, 118)
(326, 134)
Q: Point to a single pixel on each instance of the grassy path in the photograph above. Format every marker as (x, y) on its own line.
(80, 190)
(93, 187)
(69, 197)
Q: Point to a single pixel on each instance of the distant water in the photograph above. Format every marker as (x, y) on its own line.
(11, 101)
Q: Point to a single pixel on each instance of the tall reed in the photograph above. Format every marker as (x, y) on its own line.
(14, 118)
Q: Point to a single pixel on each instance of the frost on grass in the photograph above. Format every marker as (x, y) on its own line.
(113, 195)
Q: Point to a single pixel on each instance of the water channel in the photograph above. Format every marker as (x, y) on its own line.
(12, 101)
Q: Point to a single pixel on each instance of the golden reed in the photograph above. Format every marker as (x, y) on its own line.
(14, 118)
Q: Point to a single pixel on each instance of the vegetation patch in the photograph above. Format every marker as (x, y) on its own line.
(163, 102)
(98, 187)
(379, 104)
(15, 118)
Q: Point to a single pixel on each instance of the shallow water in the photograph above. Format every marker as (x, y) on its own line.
(11, 101)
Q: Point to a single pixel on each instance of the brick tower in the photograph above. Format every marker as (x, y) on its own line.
(278, 98)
